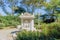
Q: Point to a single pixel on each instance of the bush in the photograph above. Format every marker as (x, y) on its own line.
(28, 35)
(35, 35)
(51, 30)
(2, 25)
(55, 30)
(9, 20)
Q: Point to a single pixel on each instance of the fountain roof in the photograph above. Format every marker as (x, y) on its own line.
(27, 16)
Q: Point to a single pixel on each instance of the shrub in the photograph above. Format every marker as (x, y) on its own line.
(28, 35)
(2, 25)
(35, 35)
(9, 20)
(51, 30)
(55, 30)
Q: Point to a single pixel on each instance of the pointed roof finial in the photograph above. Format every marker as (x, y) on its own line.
(22, 14)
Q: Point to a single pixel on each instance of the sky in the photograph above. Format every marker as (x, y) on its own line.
(2, 12)
(9, 10)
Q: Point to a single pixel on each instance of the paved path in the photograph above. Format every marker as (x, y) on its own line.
(5, 34)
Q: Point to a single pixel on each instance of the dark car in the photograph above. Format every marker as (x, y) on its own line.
(48, 18)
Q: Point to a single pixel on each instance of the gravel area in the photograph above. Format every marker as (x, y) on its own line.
(5, 34)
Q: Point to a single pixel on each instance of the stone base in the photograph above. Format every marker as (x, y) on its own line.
(24, 28)
(29, 29)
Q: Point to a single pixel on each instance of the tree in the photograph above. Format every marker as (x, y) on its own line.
(34, 3)
(3, 5)
(16, 9)
(52, 6)
(19, 10)
(12, 5)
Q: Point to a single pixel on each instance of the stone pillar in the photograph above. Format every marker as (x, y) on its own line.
(32, 25)
(21, 22)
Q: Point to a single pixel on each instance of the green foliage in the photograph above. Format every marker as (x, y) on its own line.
(9, 20)
(35, 35)
(51, 30)
(34, 2)
(55, 30)
(19, 10)
(2, 25)
(28, 35)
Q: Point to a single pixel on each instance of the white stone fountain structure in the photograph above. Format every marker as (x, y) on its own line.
(27, 22)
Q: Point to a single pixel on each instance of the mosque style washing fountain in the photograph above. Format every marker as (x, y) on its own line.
(27, 21)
